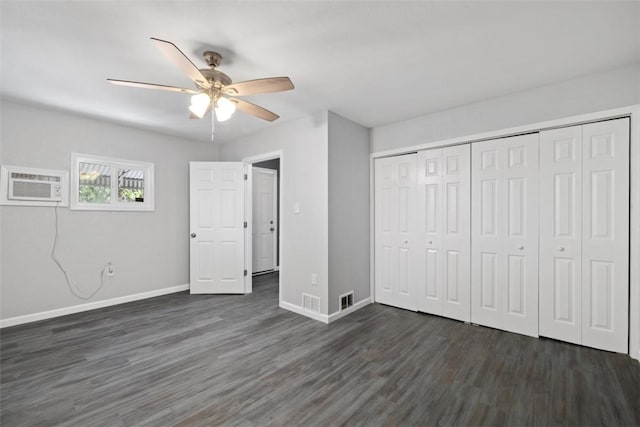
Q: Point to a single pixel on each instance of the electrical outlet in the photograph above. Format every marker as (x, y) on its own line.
(110, 269)
(314, 279)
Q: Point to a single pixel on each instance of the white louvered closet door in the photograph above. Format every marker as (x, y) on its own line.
(504, 284)
(395, 235)
(605, 235)
(561, 234)
(444, 232)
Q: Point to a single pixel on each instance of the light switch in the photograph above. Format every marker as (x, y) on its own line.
(314, 279)
(296, 208)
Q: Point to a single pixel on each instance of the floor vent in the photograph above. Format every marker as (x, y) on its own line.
(311, 303)
(346, 300)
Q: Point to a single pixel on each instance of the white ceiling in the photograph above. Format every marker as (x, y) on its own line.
(372, 62)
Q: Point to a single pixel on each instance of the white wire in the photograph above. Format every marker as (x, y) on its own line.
(66, 275)
(213, 121)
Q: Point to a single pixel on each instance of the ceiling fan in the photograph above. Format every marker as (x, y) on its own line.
(214, 90)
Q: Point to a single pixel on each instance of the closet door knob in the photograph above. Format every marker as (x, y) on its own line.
(406, 242)
(520, 247)
(193, 235)
(430, 241)
(561, 249)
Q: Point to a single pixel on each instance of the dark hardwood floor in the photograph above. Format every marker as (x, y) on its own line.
(240, 360)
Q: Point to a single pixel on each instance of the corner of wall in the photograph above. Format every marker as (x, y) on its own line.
(303, 144)
(348, 183)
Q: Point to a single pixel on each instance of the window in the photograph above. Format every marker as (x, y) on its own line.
(102, 183)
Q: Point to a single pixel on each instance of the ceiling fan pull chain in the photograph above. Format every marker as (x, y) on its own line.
(213, 122)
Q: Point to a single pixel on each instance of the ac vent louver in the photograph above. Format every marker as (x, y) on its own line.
(346, 300)
(30, 190)
(311, 303)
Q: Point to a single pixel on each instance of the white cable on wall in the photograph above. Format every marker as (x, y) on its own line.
(74, 289)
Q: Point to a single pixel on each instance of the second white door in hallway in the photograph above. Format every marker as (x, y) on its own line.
(265, 220)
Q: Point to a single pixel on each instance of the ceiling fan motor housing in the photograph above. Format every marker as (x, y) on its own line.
(215, 77)
(213, 59)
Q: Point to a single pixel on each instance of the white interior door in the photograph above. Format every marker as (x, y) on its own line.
(395, 235)
(265, 219)
(504, 284)
(561, 234)
(605, 235)
(216, 217)
(444, 232)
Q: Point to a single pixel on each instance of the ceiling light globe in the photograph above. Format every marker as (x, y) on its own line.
(199, 104)
(224, 109)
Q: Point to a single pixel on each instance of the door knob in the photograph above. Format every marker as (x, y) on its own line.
(270, 222)
(520, 247)
(406, 242)
(193, 235)
(561, 249)
(430, 241)
(272, 229)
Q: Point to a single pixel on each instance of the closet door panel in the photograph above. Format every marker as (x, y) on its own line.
(505, 234)
(444, 228)
(561, 234)
(395, 206)
(456, 232)
(487, 161)
(385, 195)
(430, 230)
(520, 272)
(605, 244)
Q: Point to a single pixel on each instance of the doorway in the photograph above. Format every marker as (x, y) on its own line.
(271, 277)
(265, 216)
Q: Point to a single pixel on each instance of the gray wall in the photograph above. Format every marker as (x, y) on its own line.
(303, 167)
(596, 92)
(348, 210)
(150, 250)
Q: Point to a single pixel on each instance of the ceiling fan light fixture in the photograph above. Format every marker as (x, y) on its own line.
(199, 104)
(224, 109)
(214, 91)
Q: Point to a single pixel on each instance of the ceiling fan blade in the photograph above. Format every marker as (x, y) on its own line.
(254, 110)
(151, 86)
(180, 59)
(251, 87)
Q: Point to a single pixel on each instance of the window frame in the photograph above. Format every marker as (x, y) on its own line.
(114, 164)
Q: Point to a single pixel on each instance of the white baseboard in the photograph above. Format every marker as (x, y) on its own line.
(299, 310)
(357, 306)
(28, 318)
(323, 317)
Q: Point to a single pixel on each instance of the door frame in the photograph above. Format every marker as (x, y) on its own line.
(249, 216)
(275, 211)
(632, 111)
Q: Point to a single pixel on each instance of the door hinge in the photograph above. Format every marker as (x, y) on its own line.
(246, 177)
(245, 272)
(245, 224)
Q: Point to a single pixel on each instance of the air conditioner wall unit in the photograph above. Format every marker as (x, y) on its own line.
(33, 187)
